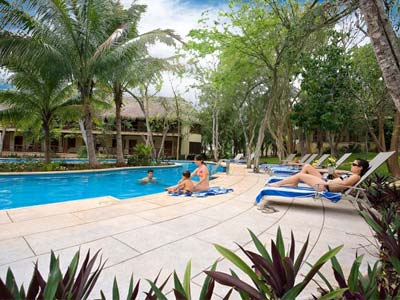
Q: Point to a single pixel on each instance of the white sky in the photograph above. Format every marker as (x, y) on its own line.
(180, 16)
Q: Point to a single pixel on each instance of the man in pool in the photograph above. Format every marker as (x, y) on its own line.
(149, 178)
(184, 186)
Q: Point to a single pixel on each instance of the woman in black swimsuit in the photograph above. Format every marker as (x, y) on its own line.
(313, 178)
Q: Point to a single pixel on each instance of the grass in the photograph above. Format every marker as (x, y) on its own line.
(345, 166)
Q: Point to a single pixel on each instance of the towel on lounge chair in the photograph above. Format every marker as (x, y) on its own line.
(212, 191)
(296, 192)
(304, 192)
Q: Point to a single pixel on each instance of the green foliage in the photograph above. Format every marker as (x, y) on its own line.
(82, 152)
(356, 285)
(325, 100)
(32, 166)
(142, 156)
(275, 273)
(74, 284)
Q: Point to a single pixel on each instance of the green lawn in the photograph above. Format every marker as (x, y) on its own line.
(345, 166)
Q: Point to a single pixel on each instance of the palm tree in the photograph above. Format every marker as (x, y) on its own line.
(118, 76)
(75, 34)
(38, 98)
(385, 44)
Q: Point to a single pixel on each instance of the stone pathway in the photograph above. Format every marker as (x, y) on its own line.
(158, 232)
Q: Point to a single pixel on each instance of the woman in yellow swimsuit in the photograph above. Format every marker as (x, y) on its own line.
(202, 172)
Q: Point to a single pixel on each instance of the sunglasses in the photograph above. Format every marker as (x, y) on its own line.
(355, 165)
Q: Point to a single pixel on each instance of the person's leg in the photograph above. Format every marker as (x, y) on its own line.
(314, 182)
(317, 183)
(309, 169)
(291, 181)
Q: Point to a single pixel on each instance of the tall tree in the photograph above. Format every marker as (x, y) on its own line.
(375, 102)
(118, 74)
(39, 96)
(385, 44)
(77, 37)
(325, 99)
(275, 33)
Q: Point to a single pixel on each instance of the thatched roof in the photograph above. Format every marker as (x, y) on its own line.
(158, 107)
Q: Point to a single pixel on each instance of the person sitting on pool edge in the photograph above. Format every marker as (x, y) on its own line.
(149, 178)
(185, 185)
(202, 172)
(314, 179)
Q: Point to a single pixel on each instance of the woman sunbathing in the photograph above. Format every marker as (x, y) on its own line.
(313, 178)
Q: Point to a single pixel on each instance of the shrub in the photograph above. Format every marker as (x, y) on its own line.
(82, 152)
(141, 157)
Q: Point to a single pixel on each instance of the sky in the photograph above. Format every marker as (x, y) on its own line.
(181, 16)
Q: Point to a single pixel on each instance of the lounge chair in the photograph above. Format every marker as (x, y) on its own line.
(244, 161)
(235, 159)
(293, 168)
(342, 159)
(288, 159)
(306, 192)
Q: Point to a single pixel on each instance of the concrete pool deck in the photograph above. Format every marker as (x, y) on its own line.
(146, 234)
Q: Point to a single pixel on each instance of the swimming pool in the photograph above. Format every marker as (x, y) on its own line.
(32, 189)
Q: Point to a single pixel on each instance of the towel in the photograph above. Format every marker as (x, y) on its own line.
(212, 191)
(180, 194)
(294, 192)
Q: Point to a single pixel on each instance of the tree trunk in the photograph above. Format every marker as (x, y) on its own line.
(331, 140)
(385, 45)
(46, 130)
(393, 161)
(260, 140)
(83, 132)
(150, 139)
(117, 89)
(248, 140)
(320, 142)
(164, 136)
(290, 142)
(178, 117)
(381, 131)
(215, 134)
(2, 137)
(93, 163)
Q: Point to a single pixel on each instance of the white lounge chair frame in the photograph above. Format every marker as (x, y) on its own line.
(374, 164)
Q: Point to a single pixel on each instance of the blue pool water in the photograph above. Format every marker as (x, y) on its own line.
(28, 190)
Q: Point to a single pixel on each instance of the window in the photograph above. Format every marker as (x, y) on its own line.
(71, 142)
(194, 148)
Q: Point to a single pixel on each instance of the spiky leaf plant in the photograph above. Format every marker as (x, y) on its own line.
(387, 230)
(275, 273)
(73, 284)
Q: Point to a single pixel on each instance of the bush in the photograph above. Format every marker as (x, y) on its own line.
(141, 157)
(82, 152)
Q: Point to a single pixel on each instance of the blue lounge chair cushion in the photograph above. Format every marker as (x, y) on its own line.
(292, 192)
(212, 191)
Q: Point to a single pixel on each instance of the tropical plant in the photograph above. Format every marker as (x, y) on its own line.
(382, 193)
(74, 284)
(355, 286)
(141, 156)
(387, 230)
(79, 36)
(275, 273)
(39, 97)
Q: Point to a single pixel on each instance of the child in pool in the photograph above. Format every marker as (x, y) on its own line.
(185, 185)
